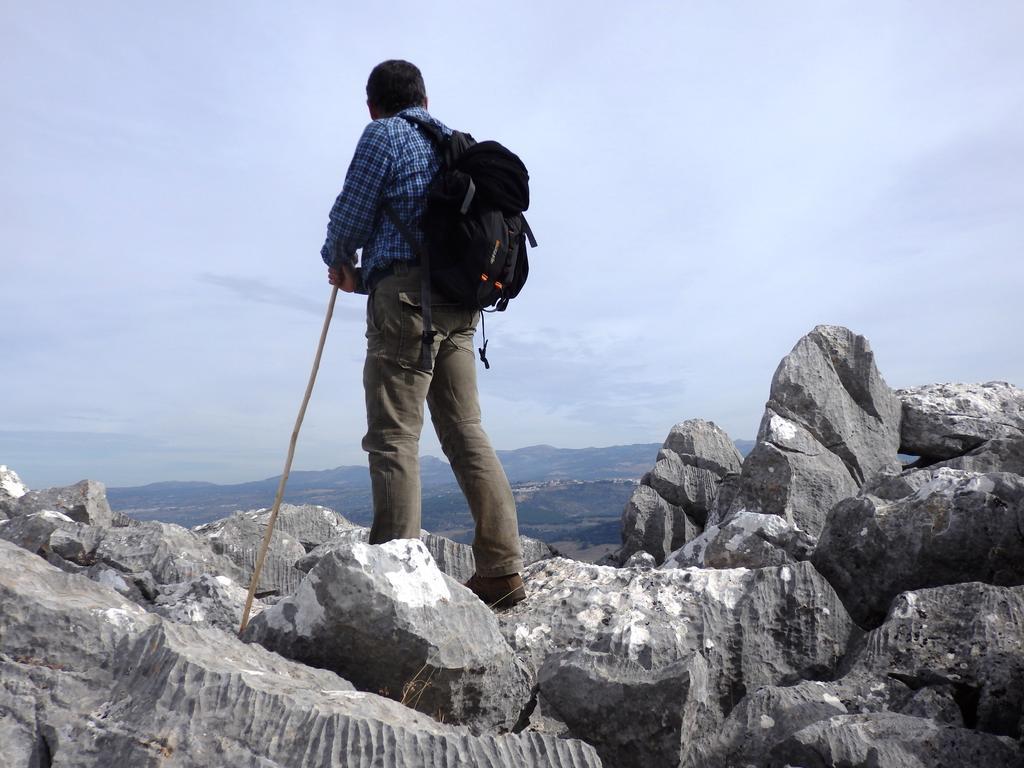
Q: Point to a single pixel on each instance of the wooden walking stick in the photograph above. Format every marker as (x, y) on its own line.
(287, 465)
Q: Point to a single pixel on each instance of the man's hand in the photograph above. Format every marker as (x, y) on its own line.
(342, 276)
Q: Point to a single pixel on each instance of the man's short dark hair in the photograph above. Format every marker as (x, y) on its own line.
(395, 85)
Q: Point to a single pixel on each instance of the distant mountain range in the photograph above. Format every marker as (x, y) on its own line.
(571, 497)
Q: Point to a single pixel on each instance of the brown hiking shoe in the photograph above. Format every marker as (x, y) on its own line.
(498, 591)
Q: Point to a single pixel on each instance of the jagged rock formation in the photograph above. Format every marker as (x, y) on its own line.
(888, 740)
(214, 601)
(947, 661)
(943, 421)
(109, 684)
(646, 629)
(956, 527)
(674, 499)
(691, 464)
(1001, 454)
(11, 489)
(830, 425)
(155, 553)
(592, 691)
(410, 632)
(239, 539)
(742, 649)
(745, 540)
(453, 558)
(84, 502)
(653, 526)
(963, 637)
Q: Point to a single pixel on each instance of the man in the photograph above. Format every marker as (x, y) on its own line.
(394, 162)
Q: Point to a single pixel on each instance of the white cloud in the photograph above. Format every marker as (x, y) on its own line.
(709, 182)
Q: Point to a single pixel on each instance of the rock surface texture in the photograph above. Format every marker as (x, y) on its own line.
(943, 421)
(674, 499)
(240, 537)
(387, 619)
(956, 527)
(964, 636)
(695, 457)
(84, 502)
(830, 425)
(453, 558)
(695, 641)
(652, 525)
(109, 684)
(745, 540)
(11, 488)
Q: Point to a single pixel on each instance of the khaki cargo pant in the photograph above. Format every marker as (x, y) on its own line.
(395, 392)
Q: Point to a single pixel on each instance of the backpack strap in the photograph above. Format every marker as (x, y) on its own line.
(528, 231)
(427, 339)
(437, 138)
(433, 132)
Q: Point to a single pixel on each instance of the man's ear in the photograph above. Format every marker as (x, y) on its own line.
(375, 113)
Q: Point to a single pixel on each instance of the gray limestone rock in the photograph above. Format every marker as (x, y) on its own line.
(342, 542)
(632, 715)
(651, 524)
(728, 489)
(771, 715)
(84, 502)
(830, 385)
(71, 547)
(889, 740)
(1001, 454)
(457, 559)
(308, 524)
(240, 538)
(641, 560)
(943, 421)
(170, 553)
(763, 719)
(753, 627)
(11, 487)
(792, 475)
(830, 425)
(452, 557)
(33, 531)
(140, 588)
(534, 550)
(87, 679)
(674, 499)
(746, 540)
(957, 527)
(21, 743)
(896, 487)
(951, 654)
(695, 457)
(937, 703)
(706, 444)
(61, 621)
(387, 619)
(967, 636)
(214, 601)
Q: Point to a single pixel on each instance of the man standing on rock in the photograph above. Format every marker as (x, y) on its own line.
(394, 163)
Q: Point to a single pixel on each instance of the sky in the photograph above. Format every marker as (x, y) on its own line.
(709, 181)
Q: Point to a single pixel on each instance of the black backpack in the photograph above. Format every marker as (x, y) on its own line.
(476, 234)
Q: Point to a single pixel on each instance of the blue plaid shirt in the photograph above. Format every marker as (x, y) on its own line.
(393, 161)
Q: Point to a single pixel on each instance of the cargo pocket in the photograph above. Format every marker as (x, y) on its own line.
(448, 318)
(410, 337)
